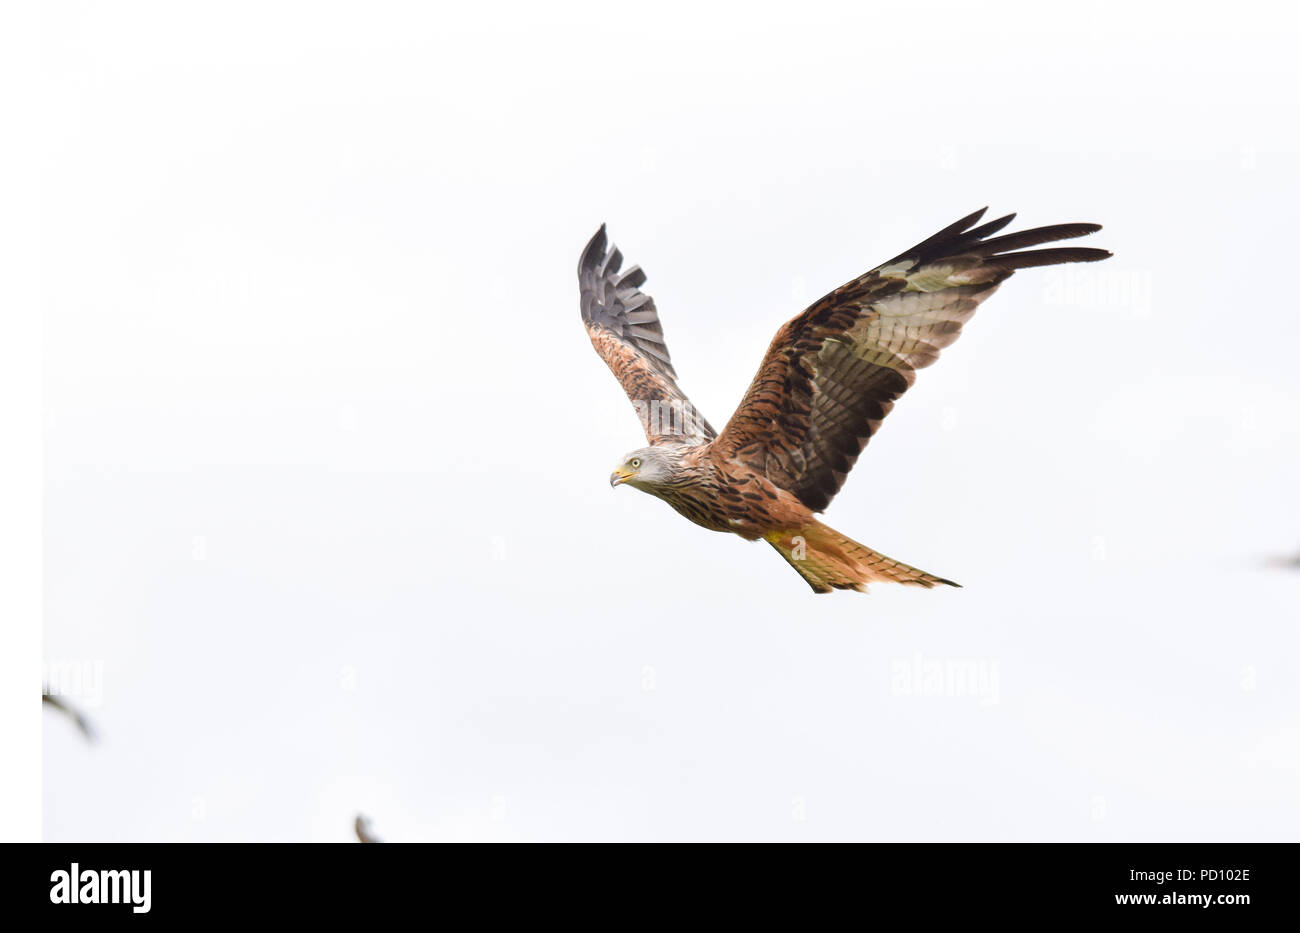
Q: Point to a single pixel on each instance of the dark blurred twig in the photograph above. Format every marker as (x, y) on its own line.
(67, 709)
(1287, 563)
(364, 832)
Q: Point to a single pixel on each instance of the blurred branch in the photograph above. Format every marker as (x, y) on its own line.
(1286, 563)
(67, 709)
(364, 833)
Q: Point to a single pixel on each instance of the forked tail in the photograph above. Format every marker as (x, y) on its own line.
(830, 561)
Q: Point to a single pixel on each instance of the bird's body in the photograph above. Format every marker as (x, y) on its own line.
(828, 379)
(738, 500)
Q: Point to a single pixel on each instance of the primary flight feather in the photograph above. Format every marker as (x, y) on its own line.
(829, 378)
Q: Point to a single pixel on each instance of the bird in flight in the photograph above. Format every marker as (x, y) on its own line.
(828, 380)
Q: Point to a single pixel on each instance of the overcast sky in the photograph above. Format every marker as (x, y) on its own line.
(327, 454)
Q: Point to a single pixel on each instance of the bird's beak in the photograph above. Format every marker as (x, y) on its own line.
(620, 476)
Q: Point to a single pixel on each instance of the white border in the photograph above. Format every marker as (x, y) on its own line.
(21, 456)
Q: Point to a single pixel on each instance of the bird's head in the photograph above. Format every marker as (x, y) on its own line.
(645, 469)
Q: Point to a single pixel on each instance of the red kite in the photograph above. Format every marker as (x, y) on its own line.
(829, 378)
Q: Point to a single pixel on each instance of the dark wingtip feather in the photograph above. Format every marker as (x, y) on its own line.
(990, 228)
(937, 243)
(960, 242)
(953, 229)
(1050, 257)
(593, 251)
(962, 238)
(1034, 237)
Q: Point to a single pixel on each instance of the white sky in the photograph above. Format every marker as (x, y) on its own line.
(327, 449)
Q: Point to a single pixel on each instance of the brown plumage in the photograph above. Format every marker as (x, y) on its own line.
(828, 380)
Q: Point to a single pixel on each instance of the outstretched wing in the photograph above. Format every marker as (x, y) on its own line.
(833, 373)
(625, 330)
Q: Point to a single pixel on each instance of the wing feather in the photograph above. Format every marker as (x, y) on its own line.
(832, 374)
(624, 327)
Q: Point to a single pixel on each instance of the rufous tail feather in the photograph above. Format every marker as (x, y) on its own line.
(830, 561)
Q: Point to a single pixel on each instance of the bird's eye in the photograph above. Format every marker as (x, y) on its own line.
(636, 462)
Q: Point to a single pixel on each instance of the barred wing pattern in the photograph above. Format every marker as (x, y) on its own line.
(833, 373)
(624, 327)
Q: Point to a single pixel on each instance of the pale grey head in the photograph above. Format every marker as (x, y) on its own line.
(647, 469)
